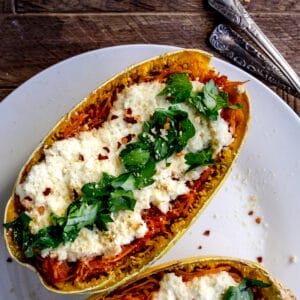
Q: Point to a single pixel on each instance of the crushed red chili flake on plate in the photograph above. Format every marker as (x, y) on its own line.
(259, 259)
(206, 232)
(250, 213)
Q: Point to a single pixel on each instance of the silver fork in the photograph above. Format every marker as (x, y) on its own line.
(237, 14)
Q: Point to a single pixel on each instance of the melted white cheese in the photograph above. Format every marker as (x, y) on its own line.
(72, 162)
(208, 287)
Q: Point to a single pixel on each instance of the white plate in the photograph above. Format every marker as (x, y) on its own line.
(265, 178)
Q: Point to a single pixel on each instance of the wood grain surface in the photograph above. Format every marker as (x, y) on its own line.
(37, 34)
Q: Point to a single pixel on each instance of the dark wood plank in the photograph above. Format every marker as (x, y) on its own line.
(7, 6)
(25, 6)
(272, 6)
(5, 92)
(32, 43)
(108, 6)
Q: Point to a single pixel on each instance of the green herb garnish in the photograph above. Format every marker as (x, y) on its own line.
(167, 132)
(94, 207)
(200, 158)
(208, 101)
(178, 88)
(244, 291)
(98, 200)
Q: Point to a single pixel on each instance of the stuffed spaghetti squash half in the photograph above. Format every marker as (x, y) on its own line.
(211, 277)
(124, 174)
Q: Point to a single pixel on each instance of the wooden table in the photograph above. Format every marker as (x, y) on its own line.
(35, 34)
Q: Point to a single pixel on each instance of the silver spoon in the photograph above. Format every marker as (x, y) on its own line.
(236, 13)
(231, 45)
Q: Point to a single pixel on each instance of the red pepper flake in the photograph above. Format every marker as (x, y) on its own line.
(28, 198)
(36, 250)
(259, 259)
(200, 247)
(170, 98)
(258, 220)
(47, 191)
(106, 149)
(113, 117)
(206, 232)
(102, 157)
(130, 120)
(119, 145)
(81, 157)
(126, 139)
(250, 213)
(129, 111)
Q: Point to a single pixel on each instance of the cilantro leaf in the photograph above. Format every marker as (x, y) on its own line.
(144, 178)
(136, 158)
(18, 226)
(200, 158)
(98, 189)
(121, 200)
(244, 290)
(187, 131)
(102, 220)
(57, 220)
(45, 238)
(80, 214)
(209, 101)
(32, 244)
(125, 181)
(178, 88)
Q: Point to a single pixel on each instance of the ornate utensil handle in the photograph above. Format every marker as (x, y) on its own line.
(231, 45)
(236, 13)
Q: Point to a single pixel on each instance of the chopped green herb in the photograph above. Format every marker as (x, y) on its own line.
(121, 200)
(178, 88)
(244, 290)
(208, 101)
(167, 132)
(125, 181)
(200, 158)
